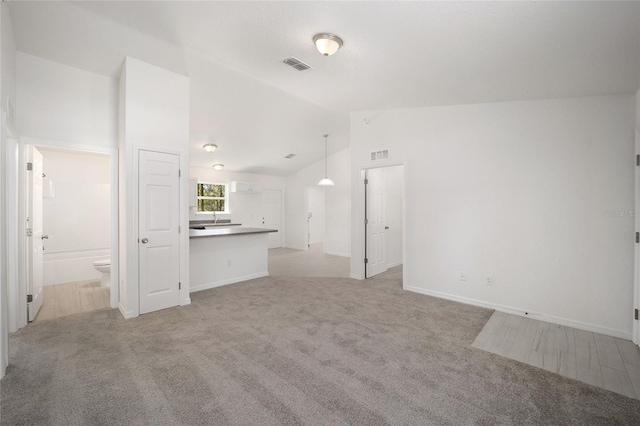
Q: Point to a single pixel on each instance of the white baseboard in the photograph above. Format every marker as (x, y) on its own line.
(355, 276)
(186, 302)
(337, 253)
(225, 282)
(528, 314)
(124, 313)
(394, 264)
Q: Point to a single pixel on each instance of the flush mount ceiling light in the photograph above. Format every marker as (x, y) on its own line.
(218, 166)
(210, 147)
(327, 44)
(325, 181)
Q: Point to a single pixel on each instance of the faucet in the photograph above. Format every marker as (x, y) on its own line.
(215, 218)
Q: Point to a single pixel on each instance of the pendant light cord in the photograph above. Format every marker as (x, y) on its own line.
(325, 156)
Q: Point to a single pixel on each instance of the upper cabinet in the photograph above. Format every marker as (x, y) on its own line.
(246, 187)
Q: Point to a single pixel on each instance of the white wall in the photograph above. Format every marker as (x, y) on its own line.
(59, 102)
(535, 193)
(337, 205)
(77, 217)
(315, 206)
(243, 208)
(7, 89)
(154, 114)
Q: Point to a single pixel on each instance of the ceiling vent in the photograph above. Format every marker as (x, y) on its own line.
(379, 155)
(290, 156)
(296, 63)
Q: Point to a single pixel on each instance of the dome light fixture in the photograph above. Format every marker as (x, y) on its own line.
(325, 181)
(218, 166)
(210, 147)
(327, 43)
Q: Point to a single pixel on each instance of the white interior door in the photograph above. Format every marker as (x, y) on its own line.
(272, 215)
(375, 212)
(35, 237)
(158, 233)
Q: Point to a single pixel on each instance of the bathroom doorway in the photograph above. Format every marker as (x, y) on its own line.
(77, 232)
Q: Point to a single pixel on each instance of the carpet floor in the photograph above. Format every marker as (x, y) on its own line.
(288, 350)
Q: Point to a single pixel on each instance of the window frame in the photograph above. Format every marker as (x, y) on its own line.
(225, 198)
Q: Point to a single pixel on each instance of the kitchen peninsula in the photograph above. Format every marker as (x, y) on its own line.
(225, 253)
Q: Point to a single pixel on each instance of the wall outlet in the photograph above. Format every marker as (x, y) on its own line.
(488, 280)
(462, 276)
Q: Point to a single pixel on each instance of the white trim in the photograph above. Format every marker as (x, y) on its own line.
(337, 253)
(394, 264)
(229, 281)
(528, 314)
(635, 336)
(355, 276)
(126, 314)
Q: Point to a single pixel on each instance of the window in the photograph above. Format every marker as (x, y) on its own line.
(212, 197)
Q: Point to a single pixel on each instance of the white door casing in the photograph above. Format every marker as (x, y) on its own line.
(375, 214)
(34, 232)
(272, 215)
(635, 337)
(158, 230)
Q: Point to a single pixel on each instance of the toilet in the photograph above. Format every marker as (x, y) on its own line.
(104, 267)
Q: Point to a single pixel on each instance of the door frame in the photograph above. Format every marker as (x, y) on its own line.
(20, 287)
(358, 238)
(132, 284)
(635, 335)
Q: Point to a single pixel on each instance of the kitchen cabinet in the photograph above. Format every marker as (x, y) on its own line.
(246, 187)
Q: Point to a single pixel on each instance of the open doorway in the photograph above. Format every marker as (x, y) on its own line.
(383, 219)
(316, 217)
(68, 198)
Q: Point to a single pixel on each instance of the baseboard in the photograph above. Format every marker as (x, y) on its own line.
(394, 264)
(186, 302)
(528, 314)
(208, 286)
(124, 313)
(337, 253)
(355, 276)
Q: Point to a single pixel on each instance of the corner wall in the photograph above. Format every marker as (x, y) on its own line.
(537, 194)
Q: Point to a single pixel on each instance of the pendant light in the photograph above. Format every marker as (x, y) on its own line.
(326, 181)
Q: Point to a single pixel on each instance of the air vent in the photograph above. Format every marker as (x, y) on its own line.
(290, 156)
(296, 63)
(379, 155)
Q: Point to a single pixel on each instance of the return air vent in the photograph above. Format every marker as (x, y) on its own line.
(290, 156)
(379, 155)
(296, 63)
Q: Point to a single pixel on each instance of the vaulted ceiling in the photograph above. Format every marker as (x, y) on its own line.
(395, 55)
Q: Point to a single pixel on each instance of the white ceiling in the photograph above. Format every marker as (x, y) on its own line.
(395, 55)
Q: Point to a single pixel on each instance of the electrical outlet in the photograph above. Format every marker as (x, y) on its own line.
(488, 280)
(462, 276)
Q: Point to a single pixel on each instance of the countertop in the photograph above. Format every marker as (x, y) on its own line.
(223, 232)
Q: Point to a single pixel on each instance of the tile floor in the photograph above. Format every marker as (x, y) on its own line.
(603, 361)
(66, 299)
(307, 263)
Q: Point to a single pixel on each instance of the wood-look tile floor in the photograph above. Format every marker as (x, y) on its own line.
(66, 299)
(603, 361)
(307, 263)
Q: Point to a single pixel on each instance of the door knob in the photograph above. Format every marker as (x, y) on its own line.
(386, 227)
(144, 240)
(45, 237)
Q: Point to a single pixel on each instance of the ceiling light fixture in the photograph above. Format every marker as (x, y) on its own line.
(327, 44)
(218, 166)
(326, 181)
(210, 147)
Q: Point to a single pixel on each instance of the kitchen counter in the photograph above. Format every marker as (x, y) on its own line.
(223, 231)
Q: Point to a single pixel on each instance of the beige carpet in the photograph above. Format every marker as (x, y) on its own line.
(285, 350)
